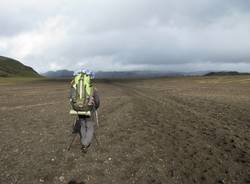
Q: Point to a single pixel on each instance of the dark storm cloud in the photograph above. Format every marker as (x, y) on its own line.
(124, 35)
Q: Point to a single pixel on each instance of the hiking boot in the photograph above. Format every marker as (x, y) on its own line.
(85, 148)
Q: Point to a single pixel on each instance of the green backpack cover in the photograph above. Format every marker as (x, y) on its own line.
(84, 93)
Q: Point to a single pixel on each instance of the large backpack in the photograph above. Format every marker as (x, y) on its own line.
(83, 93)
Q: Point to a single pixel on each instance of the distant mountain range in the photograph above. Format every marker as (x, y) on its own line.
(121, 74)
(138, 74)
(59, 74)
(222, 73)
(13, 68)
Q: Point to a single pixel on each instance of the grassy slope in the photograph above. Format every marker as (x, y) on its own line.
(13, 68)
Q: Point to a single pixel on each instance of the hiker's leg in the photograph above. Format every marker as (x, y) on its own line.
(90, 132)
(83, 132)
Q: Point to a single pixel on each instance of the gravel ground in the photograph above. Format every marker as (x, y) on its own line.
(173, 130)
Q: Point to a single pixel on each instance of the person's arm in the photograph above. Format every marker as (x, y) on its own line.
(72, 92)
(96, 99)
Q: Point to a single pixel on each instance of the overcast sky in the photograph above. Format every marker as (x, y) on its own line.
(171, 35)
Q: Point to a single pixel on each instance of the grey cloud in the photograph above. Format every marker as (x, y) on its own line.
(117, 35)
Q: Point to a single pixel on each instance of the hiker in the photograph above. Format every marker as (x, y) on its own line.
(84, 101)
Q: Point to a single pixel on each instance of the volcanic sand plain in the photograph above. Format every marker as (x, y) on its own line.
(159, 131)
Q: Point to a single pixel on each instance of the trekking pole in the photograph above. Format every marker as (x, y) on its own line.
(97, 123)
(97, 119)
(98, 143)
(74, 137)
(71, 142)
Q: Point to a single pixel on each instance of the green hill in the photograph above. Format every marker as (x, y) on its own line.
(13, 68)
(223, 73)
